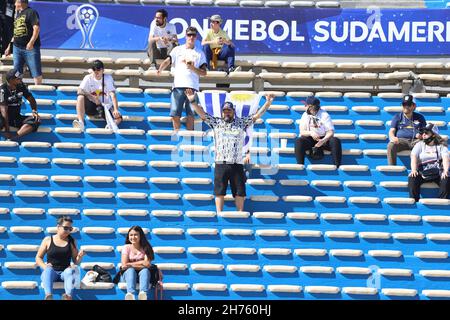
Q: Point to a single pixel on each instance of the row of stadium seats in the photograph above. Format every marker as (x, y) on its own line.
(377, 66)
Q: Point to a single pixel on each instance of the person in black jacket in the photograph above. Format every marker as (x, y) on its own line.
(12, 93)
(6, 23)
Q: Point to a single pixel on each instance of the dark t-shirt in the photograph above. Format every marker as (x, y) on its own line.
(23, 28)
(13, 98)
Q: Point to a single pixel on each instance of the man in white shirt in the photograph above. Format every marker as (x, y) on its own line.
(317, 131)
(188, 64)
(96, 91)
(161, 39)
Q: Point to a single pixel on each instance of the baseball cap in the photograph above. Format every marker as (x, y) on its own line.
(216, 17)
(311, 100)
(431, 128)
(228, 105)
(408, 100)
(13, 74)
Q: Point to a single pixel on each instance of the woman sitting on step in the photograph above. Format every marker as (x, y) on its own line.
(137, 255)
(60, 249)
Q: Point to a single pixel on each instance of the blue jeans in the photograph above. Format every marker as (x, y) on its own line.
(49, 275)
(178, 100)
(130, 276)
(226, 54)
(31, 57)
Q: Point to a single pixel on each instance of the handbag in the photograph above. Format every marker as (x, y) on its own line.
(103, 275)
(432, 170)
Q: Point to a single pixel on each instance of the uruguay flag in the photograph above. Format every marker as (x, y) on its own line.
(245, 104)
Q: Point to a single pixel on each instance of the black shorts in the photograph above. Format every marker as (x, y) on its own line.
(234, 173)
(18, 120)
(91, 108)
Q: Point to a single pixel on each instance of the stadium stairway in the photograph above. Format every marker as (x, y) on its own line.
(309, 232)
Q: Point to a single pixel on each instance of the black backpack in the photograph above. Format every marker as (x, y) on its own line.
(103, 275)
(155, 276)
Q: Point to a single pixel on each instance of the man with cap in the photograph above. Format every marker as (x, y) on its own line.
(405, 127)
(429, 163)
(229, 136)
(12, 93)
(217, 45)
(96, 92)
(161, 39)
(188, 64)
(26, 42)
(317, 131)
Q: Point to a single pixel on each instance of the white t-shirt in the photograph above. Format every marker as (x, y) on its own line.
(427, 153)
(183, 77)
(167, 31)
(320, 123)
(94, 86)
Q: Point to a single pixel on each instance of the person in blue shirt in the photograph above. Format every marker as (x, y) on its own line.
(405, 127)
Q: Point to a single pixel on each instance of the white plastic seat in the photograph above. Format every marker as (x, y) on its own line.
(207, 267)
(399, 292)
(132, 212)
(322, 289)
(314, 269)
(204, 250)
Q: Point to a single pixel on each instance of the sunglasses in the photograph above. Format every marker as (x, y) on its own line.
(191, 35)
(214, 22)
(97, 69)
(68, 229)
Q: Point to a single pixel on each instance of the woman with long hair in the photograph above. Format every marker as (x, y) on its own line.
(60, 249)
(137, 255)
(429, 163)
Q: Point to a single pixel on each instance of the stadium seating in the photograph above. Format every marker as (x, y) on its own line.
(309, 232)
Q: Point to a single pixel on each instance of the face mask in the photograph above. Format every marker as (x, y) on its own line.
(428, 140)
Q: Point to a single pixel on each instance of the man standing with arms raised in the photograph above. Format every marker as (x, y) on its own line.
(189, 63)
(229, 136)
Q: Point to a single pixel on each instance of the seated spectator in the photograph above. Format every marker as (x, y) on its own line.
(429, 163)
(11, 94)
(229, 136)
(60, 249)
(26, 42)
(161, 39)
(96, 94)
(317, 131)
(137, 256)
(188, 64)
(405, 127)
(217, 45)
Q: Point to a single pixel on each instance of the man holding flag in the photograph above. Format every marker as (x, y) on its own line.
(229, 137)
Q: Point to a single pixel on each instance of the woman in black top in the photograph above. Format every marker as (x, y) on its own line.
(60, 249)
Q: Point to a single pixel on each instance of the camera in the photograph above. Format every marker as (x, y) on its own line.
(100, 111)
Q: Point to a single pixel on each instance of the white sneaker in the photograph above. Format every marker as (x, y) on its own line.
(107, 127)
(152, 67)
(129, 296)
(142, 296)
(78, 124)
